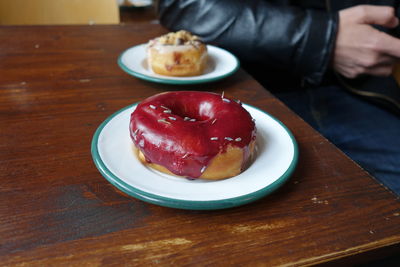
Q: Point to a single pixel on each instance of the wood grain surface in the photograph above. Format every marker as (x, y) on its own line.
(58, 83)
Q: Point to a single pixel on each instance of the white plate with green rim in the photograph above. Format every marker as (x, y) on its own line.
(275, 161)
(221, 64)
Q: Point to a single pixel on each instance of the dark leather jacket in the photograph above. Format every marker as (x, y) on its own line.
(293, 37)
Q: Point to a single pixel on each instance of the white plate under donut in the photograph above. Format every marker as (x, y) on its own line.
(221, 64)
(275, 161)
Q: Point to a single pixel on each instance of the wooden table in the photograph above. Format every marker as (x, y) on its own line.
(57, 84)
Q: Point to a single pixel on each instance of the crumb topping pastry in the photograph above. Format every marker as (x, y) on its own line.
(177, 38)
(177, 54)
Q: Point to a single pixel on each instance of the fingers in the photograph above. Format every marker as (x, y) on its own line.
(373, 65)
(374, 15)
(362, 49)
(378, 15)
(355, 71)
(385, 70)
(386, 44)
(371, 60)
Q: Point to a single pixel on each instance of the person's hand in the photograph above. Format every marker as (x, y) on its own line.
(362, 49)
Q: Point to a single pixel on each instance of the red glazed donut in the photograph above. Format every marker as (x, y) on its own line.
(193, 134)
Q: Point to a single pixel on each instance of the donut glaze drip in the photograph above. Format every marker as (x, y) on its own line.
(184, 130)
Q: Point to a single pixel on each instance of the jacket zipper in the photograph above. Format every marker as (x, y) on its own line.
(328, 6)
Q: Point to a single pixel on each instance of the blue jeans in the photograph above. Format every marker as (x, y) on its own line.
(366, 133)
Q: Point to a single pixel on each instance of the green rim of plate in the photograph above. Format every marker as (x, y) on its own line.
(175, 81)
(190, 204)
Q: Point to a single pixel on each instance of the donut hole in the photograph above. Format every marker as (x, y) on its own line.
(200, 112)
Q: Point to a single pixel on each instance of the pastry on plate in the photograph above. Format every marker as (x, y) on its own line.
(193, 134)
(177, 54)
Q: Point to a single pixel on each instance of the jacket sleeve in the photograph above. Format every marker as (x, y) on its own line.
(282, 37)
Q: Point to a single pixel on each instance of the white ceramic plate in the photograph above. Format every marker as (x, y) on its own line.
(275, 161)
(135, 3)
(221, 64)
